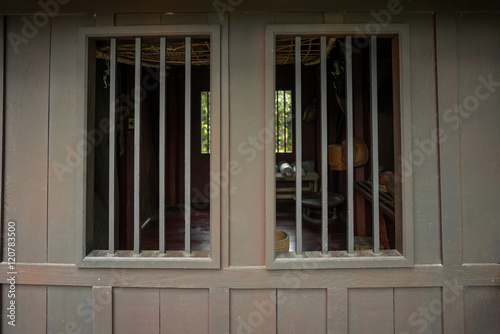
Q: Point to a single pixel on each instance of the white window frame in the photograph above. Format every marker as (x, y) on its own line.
(84, 193)
(340, 259)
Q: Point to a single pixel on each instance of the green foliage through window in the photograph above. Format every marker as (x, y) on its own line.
(283, 114)
(205, 122)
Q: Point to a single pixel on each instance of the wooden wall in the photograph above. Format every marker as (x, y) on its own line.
(453, 288)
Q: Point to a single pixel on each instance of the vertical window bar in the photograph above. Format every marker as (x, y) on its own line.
(163, 43)
(137, 146)
(350, 170)
(374, 140)
(187, 150)
(276, 121)
(285, 122)
(112, 146)
(298, 144)
(209, 116)
(324, 148)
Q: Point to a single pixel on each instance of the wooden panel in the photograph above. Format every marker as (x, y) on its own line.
(30, 302)
(219, 310)
(371, 311)
(69, 309)
(102, 309)
(479, 93)
(453, 309)
(184, 18)
(247, 105)
(190, 305)
(482, 310)
(136, 310)
(253, 311)
(26, 139)
(62, 140)
(424, 162)
(302, 311)
(298, 18)
(337, 310)
(137, 19)
(417, 310)
(449, 150)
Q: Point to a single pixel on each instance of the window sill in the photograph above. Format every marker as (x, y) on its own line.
(339, 259)
(148, 259)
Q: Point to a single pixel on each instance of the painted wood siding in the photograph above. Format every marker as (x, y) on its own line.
(456, 191)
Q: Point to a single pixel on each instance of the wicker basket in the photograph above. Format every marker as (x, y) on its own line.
(282, 241)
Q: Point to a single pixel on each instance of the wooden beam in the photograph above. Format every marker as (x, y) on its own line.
(324, 150)
(419, 276)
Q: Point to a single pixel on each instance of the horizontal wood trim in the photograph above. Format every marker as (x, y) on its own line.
(178, 6)
(257, 277)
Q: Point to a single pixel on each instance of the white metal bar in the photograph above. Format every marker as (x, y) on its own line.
(350, 168)
(112, 147)
(137, 146)
(324, 151)
(187, 150)
(163, 77)
(374, 146)
(298, 144)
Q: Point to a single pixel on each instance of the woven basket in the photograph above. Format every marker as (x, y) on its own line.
(282, 241)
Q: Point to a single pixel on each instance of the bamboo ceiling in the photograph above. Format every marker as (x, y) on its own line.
(200, 52)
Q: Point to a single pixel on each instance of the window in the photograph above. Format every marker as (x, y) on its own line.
(351, 99)
(139, 109)
(205, 122)
(283, 115)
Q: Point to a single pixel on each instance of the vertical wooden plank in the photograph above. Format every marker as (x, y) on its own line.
(26, 140)
(371, 311)
(418, 310)
(449, 150)
(217, 103)
(102, 310)
(337, 311)
(31, 306)
(253, 311)
(190, 305)
(112, 147)
(136, 310)
(223, 162)
(453, 309)
(163, 125)
(374, 142)
(482, 310)
(137, 147)
(247, 74)
(324, 150)
(187, 149)
(302, 311)
(479, 98)
(2, 114)
(349, 130)
(298, 144)
(69, 309)
(64, 150)
(219, 310)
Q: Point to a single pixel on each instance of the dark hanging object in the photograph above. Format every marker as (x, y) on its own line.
(310, 112)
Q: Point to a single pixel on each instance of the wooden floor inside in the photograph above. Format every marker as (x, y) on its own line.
(200, 230)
